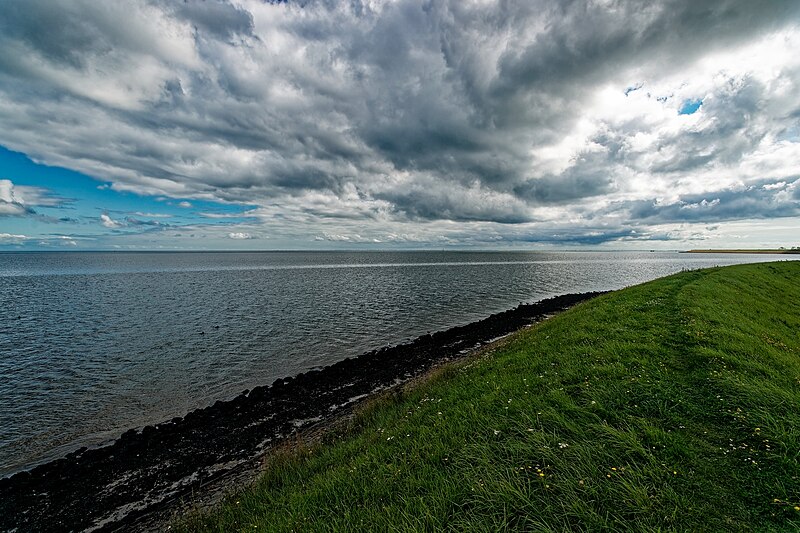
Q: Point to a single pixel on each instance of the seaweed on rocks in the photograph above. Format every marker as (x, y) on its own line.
(144, 471)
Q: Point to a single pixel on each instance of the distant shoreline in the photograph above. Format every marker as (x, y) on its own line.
(741, 251)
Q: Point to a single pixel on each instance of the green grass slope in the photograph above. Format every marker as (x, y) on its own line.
(669, 406)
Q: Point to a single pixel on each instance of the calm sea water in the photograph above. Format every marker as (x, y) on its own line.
(92, 344)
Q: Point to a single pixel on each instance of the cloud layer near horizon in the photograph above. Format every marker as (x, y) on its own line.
(419, 121)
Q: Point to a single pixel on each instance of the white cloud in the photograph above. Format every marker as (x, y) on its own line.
(7, 192)
(185, 204)
(152, 215)
(108, 222)
(248, 214)
(16, 200)
(10, 237)
(11, 209)
(239, 235)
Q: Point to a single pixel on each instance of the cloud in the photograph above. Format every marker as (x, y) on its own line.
(18, 200)
(131, 221)
(430, 199)
(108, 222)
(755, 201)
(239, 235)
(221, 19)
(152, 215)
(13, 209)
(10, 238)
(409, 117)
(245, 214)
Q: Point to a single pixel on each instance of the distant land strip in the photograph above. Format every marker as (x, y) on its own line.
(744, 251)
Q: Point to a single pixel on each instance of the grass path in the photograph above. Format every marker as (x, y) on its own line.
(669, 406)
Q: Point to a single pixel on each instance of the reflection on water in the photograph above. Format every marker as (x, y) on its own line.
(95, 343)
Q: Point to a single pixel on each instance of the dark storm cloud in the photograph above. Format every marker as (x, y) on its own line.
(586, 39)
(53, 31)
(430, 110)
(219, 18)
(595, 237)
(589, 177)
(434, 202)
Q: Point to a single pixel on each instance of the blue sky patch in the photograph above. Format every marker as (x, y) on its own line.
(632, 88)
(54, 201)
(690, 107)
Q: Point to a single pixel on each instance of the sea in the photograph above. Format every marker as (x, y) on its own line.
(93, 344)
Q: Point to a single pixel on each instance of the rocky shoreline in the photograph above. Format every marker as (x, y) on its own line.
(145, 471)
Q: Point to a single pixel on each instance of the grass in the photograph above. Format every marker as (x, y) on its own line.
(668, 406)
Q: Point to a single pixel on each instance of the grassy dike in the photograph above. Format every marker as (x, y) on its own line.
(668, 406)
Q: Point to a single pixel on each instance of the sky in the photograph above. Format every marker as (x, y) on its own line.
(407, 124)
